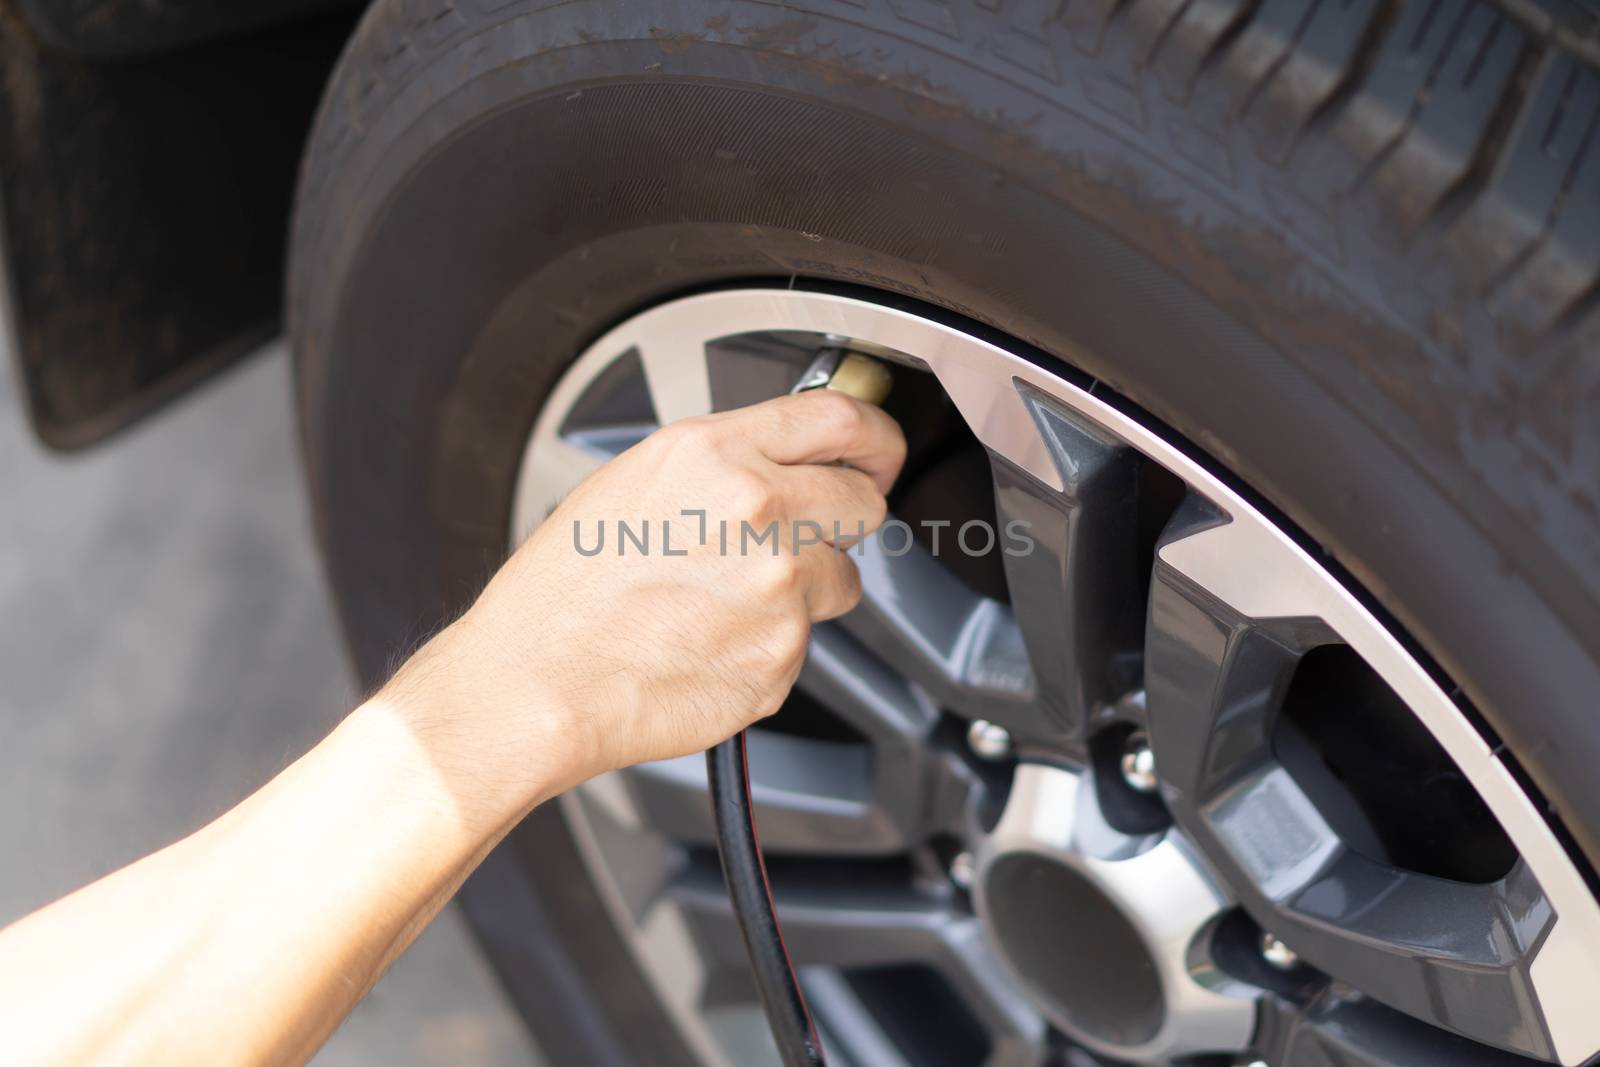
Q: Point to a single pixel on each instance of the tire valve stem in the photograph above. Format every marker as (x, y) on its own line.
(728, 775)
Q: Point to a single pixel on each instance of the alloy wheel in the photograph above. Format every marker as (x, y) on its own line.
(1163, 788)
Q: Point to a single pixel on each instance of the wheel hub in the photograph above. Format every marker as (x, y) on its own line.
(1101, 928)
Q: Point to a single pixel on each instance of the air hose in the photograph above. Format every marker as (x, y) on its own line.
(728, 773)
(745, 871)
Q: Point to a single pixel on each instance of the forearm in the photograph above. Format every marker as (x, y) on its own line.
(248, 941)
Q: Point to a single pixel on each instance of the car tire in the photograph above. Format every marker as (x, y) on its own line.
(1349, 252)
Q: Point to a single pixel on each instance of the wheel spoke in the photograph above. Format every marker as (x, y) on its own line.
(810, 797)
(1358, 1032)
(864, 692)
(1450, 953)
(558, 463)
(676, 373)
(848, 1029)
(917, 787)
(882, 795)
(963, 649)
(1075, 592)
(860, 924)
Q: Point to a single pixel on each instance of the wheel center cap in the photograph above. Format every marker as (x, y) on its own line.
(1108, 934)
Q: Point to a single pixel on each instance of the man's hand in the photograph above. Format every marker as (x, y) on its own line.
(248, 941)
(641, 654)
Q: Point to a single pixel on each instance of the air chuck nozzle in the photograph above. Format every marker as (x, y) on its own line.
(851, 373)
(862, 377)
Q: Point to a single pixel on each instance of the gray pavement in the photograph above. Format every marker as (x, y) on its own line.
(166, 645)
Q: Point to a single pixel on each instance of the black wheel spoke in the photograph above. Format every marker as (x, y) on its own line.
(1454, 954)
(838, 922)
(965, 650)
(811, 796)
(917, 788)
(865, 693)
(1074, 592)
(1355, 1032)
(885, 793)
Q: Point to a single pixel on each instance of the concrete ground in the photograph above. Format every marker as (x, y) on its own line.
(166, 645)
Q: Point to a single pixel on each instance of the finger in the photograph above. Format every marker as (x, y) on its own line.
(843, 501)
(831, 582)
(822, 426)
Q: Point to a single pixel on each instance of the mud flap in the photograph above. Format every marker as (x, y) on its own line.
(143, 211)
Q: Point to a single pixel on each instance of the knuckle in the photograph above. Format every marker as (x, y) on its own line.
(896, 437)
(778, 575)
(699, 436)
(788, 641)
(750, 497)
(877, 511)
(897, 447)
(698, 440)
(873, 504)
(843, 415)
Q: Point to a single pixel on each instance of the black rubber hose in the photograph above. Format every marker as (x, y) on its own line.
(728, 769)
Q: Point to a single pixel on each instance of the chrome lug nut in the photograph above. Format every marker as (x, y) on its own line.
(988, 741)
(1277, 954)
(962, 868)
(1139, 764)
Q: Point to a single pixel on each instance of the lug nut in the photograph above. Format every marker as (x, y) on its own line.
(962, 868)
(988, 741)
(1277, 954)
(1139, 764)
